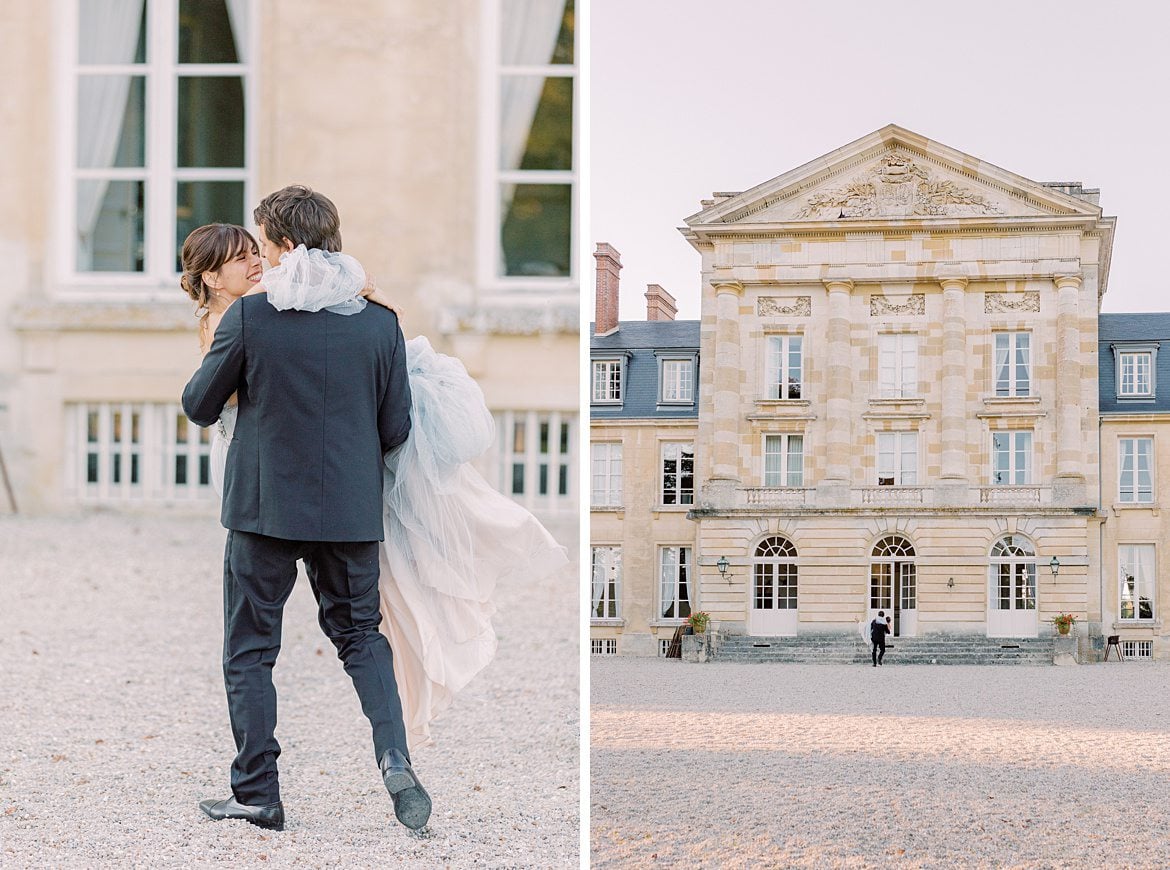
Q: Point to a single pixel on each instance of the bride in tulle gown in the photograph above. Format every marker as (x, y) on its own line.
(449, 536)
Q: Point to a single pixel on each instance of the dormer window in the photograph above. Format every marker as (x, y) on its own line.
(607, 381)
(1135, 370)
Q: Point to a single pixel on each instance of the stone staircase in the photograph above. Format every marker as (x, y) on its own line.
(851, 649)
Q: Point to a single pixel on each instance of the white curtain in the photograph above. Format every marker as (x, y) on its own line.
(241, 32)
(109, 32)
(599, 565)
(529, 30)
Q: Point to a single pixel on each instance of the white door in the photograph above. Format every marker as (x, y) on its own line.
(1011, 610)
(772, 611)
(893, 589)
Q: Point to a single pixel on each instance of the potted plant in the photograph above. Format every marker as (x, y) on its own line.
(698, 621)
(1064, 622)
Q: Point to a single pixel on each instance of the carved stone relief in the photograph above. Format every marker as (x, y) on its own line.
(1011, 302)
(896, 187)
(915, 304)
(771, 306)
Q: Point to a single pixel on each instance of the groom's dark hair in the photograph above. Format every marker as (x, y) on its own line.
(300, 215)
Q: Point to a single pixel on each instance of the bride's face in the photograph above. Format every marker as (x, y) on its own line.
(238, 275)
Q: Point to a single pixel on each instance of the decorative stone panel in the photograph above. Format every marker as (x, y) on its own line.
(996, 303)
(772, 306)
(915, 305)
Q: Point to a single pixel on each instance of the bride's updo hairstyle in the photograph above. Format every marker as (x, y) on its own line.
(206, 250)
(300, 215)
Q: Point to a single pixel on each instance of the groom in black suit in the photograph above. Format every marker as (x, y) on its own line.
(321, 398)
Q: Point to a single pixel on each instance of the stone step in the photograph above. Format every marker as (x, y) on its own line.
(852, 649)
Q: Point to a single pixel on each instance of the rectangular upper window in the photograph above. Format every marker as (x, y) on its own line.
(606, 458)
(897, 458)
(783, 460)
(784, 367)
(1013, 364)
(1135, 374)
(607, 380)
(897, 366)
(678, 474)
(678, 381)
(530, 107)
(1011, 458)
(160, 134)
(1135, 470)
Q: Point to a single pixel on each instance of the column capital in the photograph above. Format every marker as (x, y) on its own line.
(832, 284)
(953, 282)
(727, 285)
(1071, 281)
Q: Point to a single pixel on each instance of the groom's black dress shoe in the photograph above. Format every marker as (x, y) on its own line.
(412, 804)
(265, 816)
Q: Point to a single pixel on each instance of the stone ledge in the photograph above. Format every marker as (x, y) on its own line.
(83, 316)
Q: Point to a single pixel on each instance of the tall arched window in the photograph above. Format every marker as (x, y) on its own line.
(1013, 573)
(893, 583)
(774, 572)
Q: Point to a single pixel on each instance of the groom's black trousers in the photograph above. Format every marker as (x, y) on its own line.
(259, 573)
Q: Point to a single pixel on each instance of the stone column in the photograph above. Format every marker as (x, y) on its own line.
(728, 390)
(954, 384)
(839, 391)
(1069, 452)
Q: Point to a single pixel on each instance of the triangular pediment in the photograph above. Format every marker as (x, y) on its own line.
(892, 174)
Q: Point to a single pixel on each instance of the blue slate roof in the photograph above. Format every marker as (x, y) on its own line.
(1120, 329)
(637, 341)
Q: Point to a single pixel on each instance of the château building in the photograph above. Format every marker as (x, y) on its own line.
(910, 401)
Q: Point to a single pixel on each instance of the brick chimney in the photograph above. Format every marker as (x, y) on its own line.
(660, 305)
(609, 263)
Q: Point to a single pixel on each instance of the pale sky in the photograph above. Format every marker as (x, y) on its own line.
(692, 96)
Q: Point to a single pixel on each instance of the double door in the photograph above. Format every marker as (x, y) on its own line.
(893, 588)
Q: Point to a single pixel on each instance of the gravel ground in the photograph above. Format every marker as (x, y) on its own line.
(113, 722)
(742, 765)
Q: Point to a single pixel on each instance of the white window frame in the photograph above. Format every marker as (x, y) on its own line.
(530, 460)
(1139, 561)
(162, 71)
(1138, 353)
(1011, 385)
(491, 177)
(897, 458)
(610, 567)
(1015, 469)
(1137, 649)
(668, 586)
(608, 364)
(606, 467)
(679, 388)
(783, 474)
(1136, 493)
(679, 448)
(157, 451)
(898, 365)
(778, 366)
(603, 646)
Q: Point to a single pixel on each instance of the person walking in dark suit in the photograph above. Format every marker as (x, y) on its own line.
(878, 629)
(321, 398)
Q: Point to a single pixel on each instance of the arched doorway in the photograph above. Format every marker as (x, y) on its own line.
(772, 610)
(1011, 597)
(893, 584)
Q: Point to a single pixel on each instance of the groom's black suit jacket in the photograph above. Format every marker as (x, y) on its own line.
(321, 397)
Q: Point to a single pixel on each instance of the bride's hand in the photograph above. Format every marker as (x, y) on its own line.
(372, 293)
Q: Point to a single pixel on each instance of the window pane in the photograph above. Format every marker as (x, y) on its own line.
(110, 226)
(112, 31)
(534, 36)
(536, 231)
(111, 121)
(206, 33)
(211, 121)
(536, 122)
(205, 202)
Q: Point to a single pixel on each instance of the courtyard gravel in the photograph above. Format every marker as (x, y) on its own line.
(912, 766)
(113, 722)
